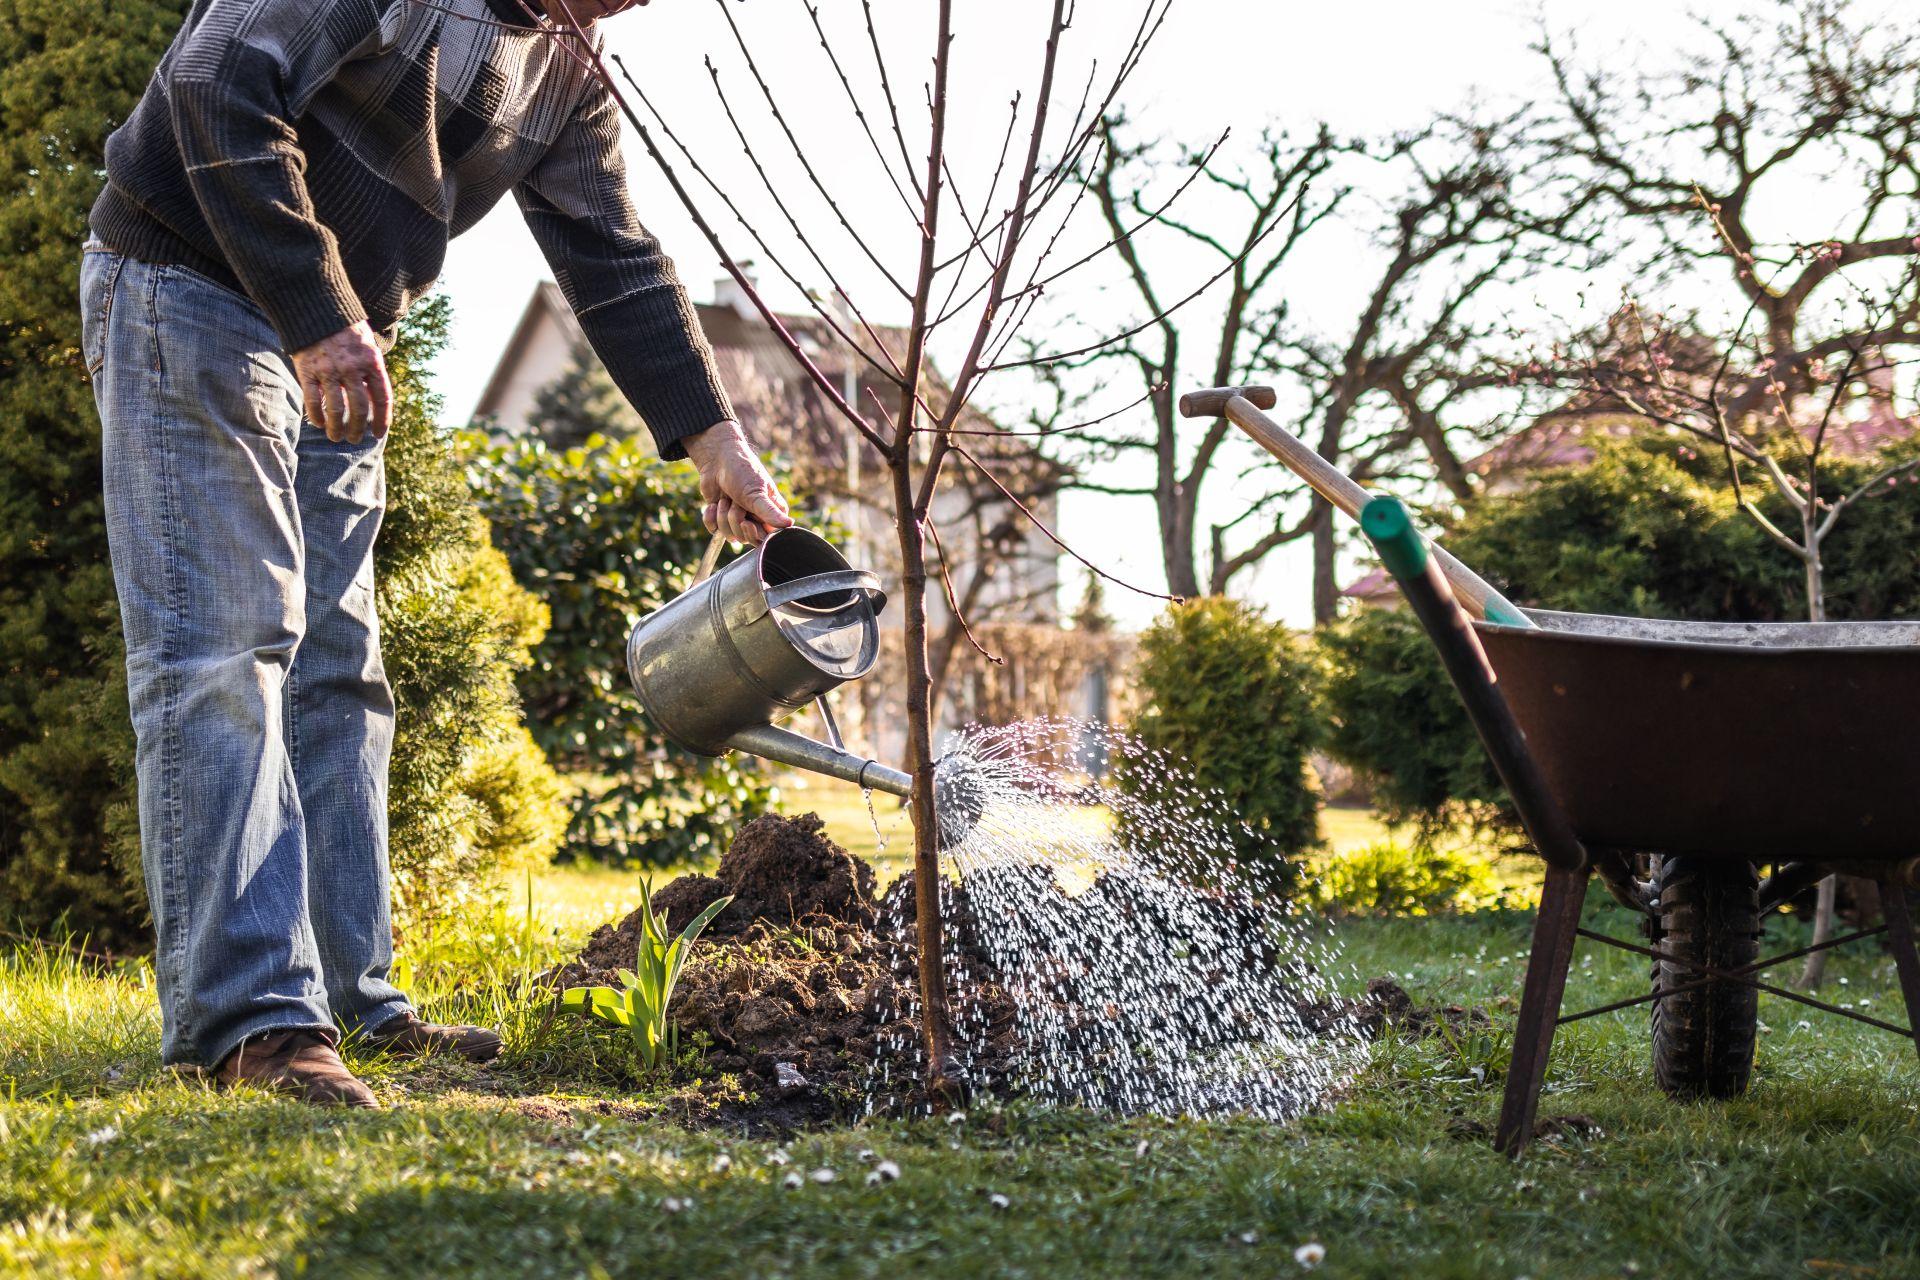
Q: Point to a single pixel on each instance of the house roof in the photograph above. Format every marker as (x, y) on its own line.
(1377, 584)
(1568, 439)
(545, 304)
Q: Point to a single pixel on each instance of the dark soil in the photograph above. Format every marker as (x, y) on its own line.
(807, 981)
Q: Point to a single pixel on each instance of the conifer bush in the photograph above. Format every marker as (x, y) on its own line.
(69, 841)
(470, 792)
(470, 789)
(1229, 695)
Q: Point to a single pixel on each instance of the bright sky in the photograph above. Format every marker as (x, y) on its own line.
(1367, 67)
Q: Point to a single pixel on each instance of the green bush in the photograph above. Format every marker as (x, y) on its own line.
(69, 835)
(1391, 713)
(1644, 530)
(69, 840)
(1228, 694)
(604, 534)
(470, 794)
(1387, 878)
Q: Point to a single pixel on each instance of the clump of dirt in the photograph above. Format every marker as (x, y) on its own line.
(806, 980)
(1387, 1004)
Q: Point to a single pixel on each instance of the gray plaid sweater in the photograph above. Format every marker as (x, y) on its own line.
(317, 155)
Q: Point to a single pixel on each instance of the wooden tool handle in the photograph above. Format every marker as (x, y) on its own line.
(1337, 487)
(1212, 402)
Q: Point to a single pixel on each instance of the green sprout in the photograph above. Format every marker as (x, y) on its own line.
(641, 1005)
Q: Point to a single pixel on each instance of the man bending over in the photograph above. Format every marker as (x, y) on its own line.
(284, 190)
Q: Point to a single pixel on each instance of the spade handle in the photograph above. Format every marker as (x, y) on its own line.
(1243, 407)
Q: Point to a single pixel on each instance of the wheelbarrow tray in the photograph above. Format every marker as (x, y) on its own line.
(1764, 741)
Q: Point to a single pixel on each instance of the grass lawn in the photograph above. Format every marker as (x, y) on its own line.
(551, 1164)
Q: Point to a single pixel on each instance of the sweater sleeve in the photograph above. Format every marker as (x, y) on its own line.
(235, 86)
(620, 284)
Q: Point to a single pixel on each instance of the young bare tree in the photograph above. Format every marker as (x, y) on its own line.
(991, 565)
(1698, 160)
(984, 250)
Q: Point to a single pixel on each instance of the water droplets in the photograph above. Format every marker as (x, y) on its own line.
(1151, 971)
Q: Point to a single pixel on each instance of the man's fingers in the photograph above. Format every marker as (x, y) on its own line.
(747, 528)
(333, 409)
(359, 410)
(313, 397)
(710, 516)
(729, 516)
(380, 394)
(765, 505)
(729, 513)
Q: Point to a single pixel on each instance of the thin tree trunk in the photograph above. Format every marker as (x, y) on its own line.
(1175, 502)
(1326, 587)
(936, 1031)
(1814, 972)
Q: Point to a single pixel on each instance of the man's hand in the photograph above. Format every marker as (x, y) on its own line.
(741, 499)
(344, 382)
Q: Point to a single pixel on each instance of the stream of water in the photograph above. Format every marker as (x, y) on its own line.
(1151, 970)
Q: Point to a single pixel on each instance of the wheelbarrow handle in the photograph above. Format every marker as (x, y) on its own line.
(1405, 553)
(1243, 407)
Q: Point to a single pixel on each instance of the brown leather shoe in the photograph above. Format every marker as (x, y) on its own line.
(406, 1036)
(300, 1064)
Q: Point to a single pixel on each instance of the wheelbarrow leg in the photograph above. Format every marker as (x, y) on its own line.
(1387, 525)
(1893, 906)
(1547, 965)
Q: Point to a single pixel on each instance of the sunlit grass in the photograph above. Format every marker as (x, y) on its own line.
(556, 1160)
(556, 1163)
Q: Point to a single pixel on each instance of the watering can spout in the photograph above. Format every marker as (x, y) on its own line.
(784, 746)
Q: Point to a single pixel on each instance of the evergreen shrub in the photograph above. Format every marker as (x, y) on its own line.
(469, 789)
(1227, 694)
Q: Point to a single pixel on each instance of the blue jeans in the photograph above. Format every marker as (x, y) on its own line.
(242, 544)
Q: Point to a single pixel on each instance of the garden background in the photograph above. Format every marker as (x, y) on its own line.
(530, 796)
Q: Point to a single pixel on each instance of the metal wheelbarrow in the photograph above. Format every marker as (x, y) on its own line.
(1674, 761)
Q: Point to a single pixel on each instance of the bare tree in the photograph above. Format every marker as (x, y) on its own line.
(1392, 390)
(1275, 216)
(983, 254)
(1796, 95)
(1396, 391)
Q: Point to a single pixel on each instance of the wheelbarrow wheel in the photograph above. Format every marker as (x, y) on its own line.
(1709, 914)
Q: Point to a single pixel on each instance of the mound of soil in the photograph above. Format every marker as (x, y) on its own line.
(807, 981)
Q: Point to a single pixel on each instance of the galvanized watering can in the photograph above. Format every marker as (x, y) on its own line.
(780, 627)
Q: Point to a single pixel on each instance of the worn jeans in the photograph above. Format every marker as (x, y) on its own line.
(242, 543)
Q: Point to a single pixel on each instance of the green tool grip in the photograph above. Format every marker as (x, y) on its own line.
(1405, 553)
(1498, 610)
(1388, 526)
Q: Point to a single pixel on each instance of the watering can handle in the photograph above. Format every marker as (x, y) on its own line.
(710, 559)
(822, 583)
